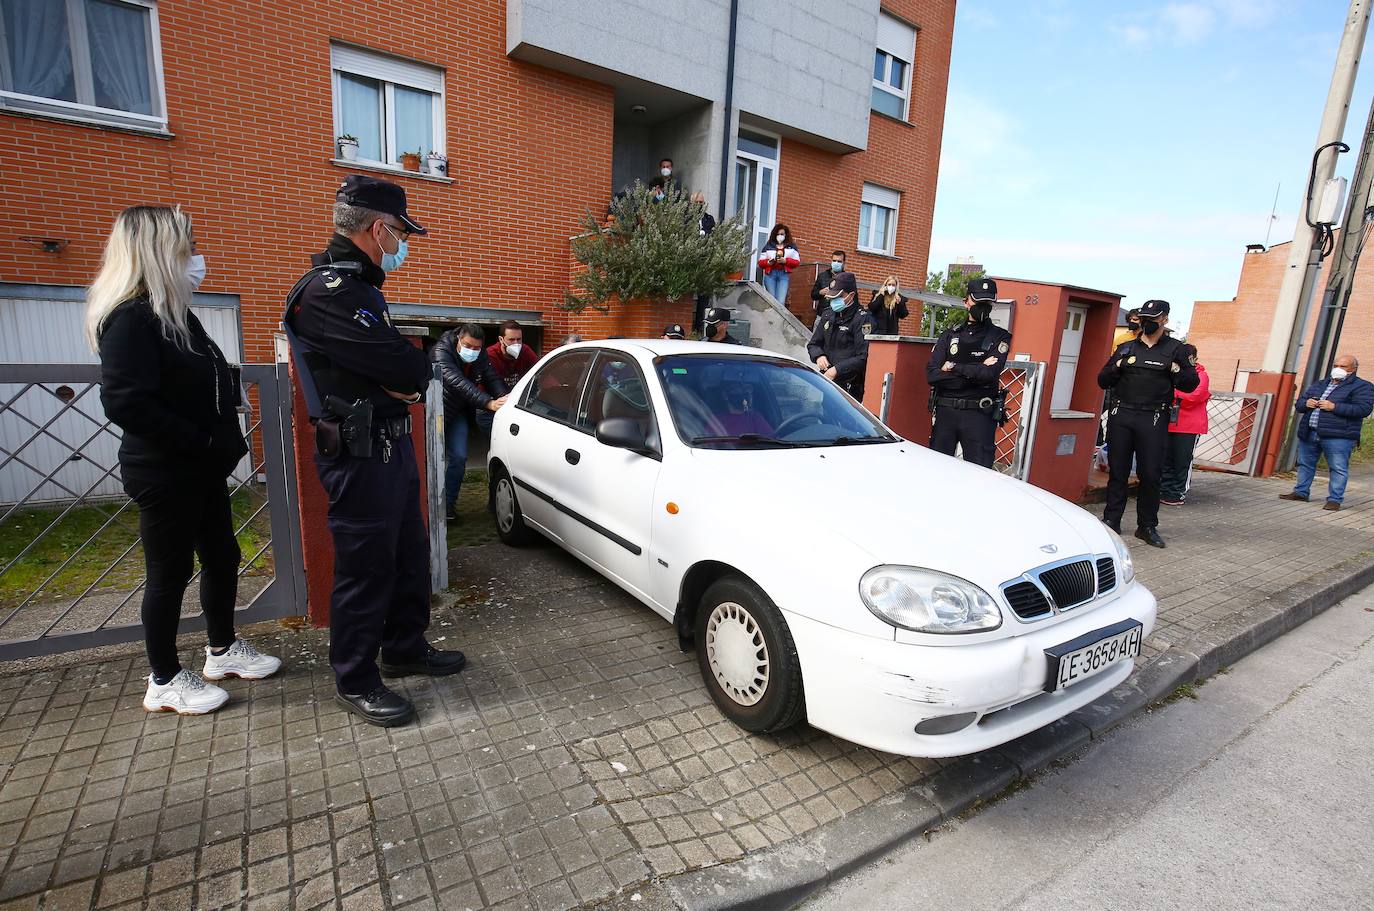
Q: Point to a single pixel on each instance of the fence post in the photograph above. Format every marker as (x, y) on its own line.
(434, 486)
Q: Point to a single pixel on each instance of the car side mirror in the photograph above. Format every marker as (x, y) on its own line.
(623, 433)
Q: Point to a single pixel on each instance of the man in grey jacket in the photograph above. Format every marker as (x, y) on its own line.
(472, 391)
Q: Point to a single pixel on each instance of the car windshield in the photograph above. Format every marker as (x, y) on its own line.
(759, 403)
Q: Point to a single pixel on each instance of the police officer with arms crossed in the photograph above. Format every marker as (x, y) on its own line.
(839, 341)
(360, 375)
(963, 371)
(1143, 374)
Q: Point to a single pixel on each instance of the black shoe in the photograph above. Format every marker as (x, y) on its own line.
(1114, 526)
(381, 707)
(1150, 536)
(1293, 496)
(451, 513)
(435, 662)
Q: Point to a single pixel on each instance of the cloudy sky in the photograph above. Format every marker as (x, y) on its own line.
(1134, 146)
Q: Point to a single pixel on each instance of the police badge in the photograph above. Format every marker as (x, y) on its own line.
(1002, 348)
(1131, 359)
(953, 347)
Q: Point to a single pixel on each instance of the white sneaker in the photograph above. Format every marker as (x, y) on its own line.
(186, 694)
(240, 660)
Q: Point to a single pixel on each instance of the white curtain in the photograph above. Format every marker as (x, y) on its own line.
(361, 103)
(39, 48)
(119, 56)
(414, 121)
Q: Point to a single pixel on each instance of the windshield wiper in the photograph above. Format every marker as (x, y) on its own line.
(748, 439)
(853, 441)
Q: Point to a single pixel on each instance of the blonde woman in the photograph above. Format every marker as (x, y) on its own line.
(888, 307)
(169, 388)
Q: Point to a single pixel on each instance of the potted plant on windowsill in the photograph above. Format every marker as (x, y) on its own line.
(438, 164)
(410, 161)
(348, 147)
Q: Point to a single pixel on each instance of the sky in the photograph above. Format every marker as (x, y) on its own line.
(1134, 147)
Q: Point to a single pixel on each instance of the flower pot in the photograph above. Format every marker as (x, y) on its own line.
(348, 149)
(438, 165)
(410, 161)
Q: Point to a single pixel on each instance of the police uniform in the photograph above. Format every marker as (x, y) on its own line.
(842, 336)
(1142, 379)
(342, 336)
(966, 397)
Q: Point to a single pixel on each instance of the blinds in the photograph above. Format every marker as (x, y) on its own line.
(896, 37)
(387, 69)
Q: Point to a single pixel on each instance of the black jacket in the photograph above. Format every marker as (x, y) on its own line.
(843, 338)
(979, 352)
(1144, 374)
(885, 321)
(466, 386)
(343, 318)
(820, 305)
(175, 406)
(707, 224)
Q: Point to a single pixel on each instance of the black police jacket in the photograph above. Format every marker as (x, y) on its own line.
(843, 338)
(466, 386)
(176, 406)
(1141, 374)
(355, 351)
(978, 352)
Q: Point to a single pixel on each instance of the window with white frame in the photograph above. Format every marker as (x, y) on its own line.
(892, 60)
(83, 59)
(878, 219)
(391, 106)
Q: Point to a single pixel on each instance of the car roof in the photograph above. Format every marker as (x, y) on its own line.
(656, 347)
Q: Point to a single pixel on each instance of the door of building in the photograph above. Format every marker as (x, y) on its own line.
(756, 186)
(1069, 349)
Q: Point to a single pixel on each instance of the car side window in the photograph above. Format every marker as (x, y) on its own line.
(553, 393)
(616, 390)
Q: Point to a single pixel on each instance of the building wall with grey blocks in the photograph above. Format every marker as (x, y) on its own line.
(804, 67)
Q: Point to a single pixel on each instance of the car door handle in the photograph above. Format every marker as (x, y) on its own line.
(514, 430)
(573, 456)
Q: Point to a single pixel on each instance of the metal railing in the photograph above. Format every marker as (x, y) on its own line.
(1236, 424)
(1015, 440)
(71, 563)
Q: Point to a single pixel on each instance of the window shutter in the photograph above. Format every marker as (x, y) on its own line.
(387, 69)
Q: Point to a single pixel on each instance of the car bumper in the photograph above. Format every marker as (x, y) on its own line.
(874, 692)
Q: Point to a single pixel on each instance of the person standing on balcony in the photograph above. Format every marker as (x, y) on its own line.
(964, 372)
(888, 307)
(170, 389)
(820, 300)
(1330, 415)
(1184, 430)
(777, 260)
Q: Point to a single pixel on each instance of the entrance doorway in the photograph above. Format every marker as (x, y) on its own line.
(756, 187)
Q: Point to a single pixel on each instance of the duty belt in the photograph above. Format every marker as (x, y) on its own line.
(1141, 406)
(393, 428)
(983, 404)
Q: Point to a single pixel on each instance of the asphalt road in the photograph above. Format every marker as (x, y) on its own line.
(1253, 792)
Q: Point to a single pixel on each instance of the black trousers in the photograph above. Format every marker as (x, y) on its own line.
(1141, 435)
(969, 428)
(381, 562)
(180, 518)
(1178, 465)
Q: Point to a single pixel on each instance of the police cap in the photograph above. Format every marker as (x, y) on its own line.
(716, 315)
(843, 282)
(674, 331)
(982, 289)
(1154, 309)
(379, 196)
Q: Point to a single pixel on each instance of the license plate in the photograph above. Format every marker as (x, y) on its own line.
(1092, 653)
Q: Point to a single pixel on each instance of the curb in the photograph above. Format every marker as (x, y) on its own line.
(784, 876)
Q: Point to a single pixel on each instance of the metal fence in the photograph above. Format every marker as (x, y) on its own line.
(1236, 424)
(1023, 381)
(71, 565)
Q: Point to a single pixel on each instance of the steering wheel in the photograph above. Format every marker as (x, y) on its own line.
(790, 424)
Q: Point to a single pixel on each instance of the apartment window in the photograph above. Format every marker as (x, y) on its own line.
(83, 59)
(892, 59)
(391, 106)
(878, 219)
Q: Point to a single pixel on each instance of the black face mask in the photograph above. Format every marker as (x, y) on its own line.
(979, 312)
(1149, 326)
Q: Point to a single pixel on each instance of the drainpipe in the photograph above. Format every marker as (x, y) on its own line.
(725, 160)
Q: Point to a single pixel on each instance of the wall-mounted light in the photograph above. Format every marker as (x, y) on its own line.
(47, 244)
(639, 109)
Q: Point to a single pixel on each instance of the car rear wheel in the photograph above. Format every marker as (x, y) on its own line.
(747, 657)
(505, 509)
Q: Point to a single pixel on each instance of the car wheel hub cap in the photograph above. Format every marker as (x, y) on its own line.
(505, 505)
(737, 653)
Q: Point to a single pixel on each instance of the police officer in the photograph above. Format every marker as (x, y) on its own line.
(360, 375)
(964, 372)
(839, 341)
(717, 325)
(1143, 374)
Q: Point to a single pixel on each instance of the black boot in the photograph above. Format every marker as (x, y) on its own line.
(1150, 536)
(434, 662)
(381, 707)
(1114, 526)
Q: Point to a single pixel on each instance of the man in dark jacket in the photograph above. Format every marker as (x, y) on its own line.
(820, 299)
(472, 389)
(1330, 414)
(839, 342)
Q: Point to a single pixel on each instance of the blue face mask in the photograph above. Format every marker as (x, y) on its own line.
(392, 261)
(836, 265)
(837, 303)
(469, 354)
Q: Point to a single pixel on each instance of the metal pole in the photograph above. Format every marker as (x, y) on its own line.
(434, 482)
(1299, 277)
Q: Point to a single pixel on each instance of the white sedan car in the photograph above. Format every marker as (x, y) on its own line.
(824, 568)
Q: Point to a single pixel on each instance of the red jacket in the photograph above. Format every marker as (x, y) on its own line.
(1192, 406)
(770, 260)
(510, 369)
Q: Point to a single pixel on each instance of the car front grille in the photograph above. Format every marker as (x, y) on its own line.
(1059, 587)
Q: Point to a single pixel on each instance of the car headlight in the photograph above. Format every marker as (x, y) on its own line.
(1123, 556)
(926, 601)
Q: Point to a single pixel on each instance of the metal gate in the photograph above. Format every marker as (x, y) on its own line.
(1236, 424)
(71, 565)
(1016, 438)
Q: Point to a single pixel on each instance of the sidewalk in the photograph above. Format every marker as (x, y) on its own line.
(576, 759)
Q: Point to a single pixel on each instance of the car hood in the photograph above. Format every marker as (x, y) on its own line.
(904, 504)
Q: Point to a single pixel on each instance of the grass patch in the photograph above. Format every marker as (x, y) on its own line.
(21, 576)
(1365, 451)
(475, 525)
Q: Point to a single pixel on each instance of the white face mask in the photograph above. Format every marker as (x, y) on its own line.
(1339, 373)
(891, 289)
(513, 349)
(781, 238)
(666, 172)
(195, 270)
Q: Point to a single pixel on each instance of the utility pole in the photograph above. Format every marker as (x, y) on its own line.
(1300, 279)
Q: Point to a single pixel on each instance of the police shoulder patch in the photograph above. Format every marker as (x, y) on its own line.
(867, 328)
(1131, 359)
(1174, 367)
(1192, 359)
(953, 347)
(1003, 348)
(331, 279)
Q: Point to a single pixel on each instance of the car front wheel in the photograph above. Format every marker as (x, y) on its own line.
(747, 657)
(505, 509)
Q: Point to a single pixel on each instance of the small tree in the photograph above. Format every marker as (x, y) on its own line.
(955, 285)
(653, 250)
